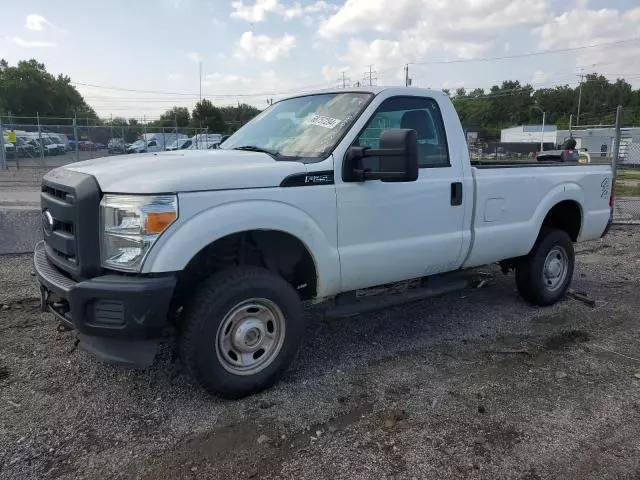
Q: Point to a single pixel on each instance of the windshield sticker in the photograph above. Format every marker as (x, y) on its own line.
(320, 121)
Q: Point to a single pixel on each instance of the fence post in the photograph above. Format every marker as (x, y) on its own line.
(175, 123)
(111, 139)
(3, 154)
(40, 140)
(570, 125)
(75, 135)
(616, 142)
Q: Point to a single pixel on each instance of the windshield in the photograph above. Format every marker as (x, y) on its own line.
(308, 126)
(139, 143)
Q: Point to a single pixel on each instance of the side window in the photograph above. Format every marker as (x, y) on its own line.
(419, 114)
(152, 143)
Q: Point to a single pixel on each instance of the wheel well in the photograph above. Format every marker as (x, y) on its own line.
(275, 250)
(567, 216)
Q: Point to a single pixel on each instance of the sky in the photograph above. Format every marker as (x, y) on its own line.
(139, 58)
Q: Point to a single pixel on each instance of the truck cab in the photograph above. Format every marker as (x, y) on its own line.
(318, 197)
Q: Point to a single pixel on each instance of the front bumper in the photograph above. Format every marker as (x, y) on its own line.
(109, 310)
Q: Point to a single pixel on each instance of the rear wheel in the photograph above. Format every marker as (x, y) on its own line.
(544, 275)
(241, 331)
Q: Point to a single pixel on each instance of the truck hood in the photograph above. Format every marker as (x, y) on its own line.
(187, 171)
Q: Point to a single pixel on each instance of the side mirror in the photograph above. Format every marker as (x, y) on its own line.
(398, 154)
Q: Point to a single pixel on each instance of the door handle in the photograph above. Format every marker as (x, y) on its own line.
(456, 193)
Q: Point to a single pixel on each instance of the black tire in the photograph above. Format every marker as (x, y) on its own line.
(532, 284)
(204, 314)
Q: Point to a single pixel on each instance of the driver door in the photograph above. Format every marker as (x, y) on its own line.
(392, 231)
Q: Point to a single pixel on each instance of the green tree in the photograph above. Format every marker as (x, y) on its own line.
(205, 114)
(176, 115)
(28, 89)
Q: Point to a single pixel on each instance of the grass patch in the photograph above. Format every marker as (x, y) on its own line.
(627, 190)
(629, 174)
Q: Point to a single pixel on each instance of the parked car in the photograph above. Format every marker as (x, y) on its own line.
(10, 150)
(55, 139)
(46, 144)
(116, 145)
(180, 144)
(139, 146)
(87, 146)
(204, 145)
(570, 156)
(223, 247)
(27, 148)
(205, 141)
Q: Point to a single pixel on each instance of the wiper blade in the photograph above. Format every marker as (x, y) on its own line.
(254, 148)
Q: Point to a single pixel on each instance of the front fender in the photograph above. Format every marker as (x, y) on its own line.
(183, 240)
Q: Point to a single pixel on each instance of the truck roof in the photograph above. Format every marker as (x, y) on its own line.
(393, 89)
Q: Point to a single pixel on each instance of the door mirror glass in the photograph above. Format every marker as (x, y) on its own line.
(397, 157)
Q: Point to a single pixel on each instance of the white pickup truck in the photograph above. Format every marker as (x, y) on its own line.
(317, 197)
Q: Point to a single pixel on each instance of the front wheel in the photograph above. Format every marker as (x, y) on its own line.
(241, 331)
(544, 276)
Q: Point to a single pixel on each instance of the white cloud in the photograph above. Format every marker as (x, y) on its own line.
(174, 76)
(194, 57)
(21, 42)
(540, 77)
(437, 19)
(227, 79)
(257, 12)
(334, 73)
(267, 49)
(581, 26)
(409, 31)
(37, 23)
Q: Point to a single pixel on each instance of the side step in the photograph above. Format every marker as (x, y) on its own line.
(380, 302)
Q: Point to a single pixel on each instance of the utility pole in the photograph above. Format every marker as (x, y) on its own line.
(200, 82)
(370, 75)
(407, 80)
(570, 125)
(616, 143)
(544, 117)
(579, 99)
(344, 82)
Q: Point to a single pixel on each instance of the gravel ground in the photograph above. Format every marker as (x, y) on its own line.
(473, 385)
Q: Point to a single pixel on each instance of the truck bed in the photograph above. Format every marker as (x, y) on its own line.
(512, 200)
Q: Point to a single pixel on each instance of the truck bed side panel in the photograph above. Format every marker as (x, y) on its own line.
(511, 204)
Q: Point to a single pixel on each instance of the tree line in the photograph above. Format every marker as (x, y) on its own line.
(27, 89)
(513, 104)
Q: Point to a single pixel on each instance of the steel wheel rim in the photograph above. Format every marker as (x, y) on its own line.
(556, 266)
(250, 336)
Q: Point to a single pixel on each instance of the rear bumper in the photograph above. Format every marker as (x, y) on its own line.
(106, 310)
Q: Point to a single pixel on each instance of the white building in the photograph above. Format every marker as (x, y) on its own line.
(529, 134)
(597, 141)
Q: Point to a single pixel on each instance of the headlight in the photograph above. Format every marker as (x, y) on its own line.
(130, 226)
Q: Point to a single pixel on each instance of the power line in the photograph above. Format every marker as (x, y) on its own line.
(307, 87)
(525, 55)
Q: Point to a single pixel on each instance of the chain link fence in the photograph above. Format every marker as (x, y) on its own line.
(30, 146)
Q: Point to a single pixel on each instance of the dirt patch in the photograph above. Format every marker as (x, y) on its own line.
(477, 384)
(566, 338)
